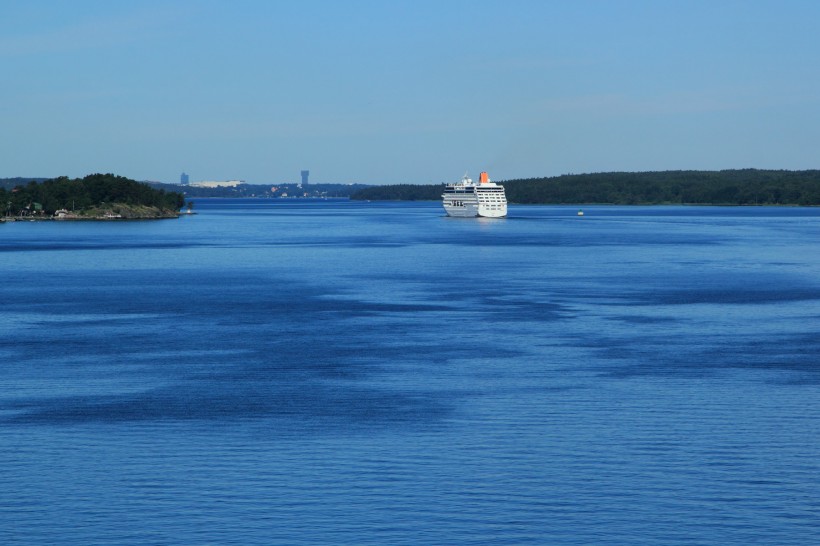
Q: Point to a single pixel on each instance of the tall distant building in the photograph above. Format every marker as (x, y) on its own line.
(183, 179)
(305, 175)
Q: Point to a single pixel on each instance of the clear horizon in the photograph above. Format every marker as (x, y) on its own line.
(405, 92)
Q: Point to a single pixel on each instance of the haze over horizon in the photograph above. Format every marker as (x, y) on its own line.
(405, 92)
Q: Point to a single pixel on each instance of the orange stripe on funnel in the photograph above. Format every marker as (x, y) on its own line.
(483, 178)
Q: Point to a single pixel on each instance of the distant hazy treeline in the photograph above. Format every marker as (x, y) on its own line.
(81, 194)
(263, 190)
(730, 187)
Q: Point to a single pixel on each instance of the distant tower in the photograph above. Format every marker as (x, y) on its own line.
(183, 179)
(305, 175)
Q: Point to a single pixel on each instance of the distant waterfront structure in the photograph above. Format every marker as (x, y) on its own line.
(217, 184)
(305, 175)
(183, 179)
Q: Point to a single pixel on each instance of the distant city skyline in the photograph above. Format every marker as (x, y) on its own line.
(406, 92)
(185, 180)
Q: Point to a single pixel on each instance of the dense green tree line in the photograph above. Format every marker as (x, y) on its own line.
(9, 183)
(729, 187)
(79, 194)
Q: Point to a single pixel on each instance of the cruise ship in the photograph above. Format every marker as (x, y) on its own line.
(466, 199)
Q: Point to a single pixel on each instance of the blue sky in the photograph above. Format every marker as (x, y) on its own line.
(418, 91)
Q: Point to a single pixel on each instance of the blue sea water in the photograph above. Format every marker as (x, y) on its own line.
(335, 372)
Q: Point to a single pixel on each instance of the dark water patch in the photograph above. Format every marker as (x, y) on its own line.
(638, 319)
(367, 308)
(348, 242)
(259, 345)
(324, 405)
(248, 298)
(730, 295)
(512, 311)
(702, 282)
(257, 242)
(119, 244)
(658, 355)
(564, 240)
(507, 304)
(362, 243)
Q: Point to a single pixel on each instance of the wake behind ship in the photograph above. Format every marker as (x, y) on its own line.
(466, 199)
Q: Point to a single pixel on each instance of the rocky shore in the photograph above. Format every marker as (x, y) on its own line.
(110, 212)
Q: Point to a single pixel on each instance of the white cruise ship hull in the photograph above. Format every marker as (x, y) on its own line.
(468, 200)
(488, 212)
(459, 210)
(473, 211)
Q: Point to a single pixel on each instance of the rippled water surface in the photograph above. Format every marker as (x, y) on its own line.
(293, 372)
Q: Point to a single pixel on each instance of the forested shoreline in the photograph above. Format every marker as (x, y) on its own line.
(93, 196)
(728, 187)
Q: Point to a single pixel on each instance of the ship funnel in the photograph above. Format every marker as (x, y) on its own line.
(483, 178)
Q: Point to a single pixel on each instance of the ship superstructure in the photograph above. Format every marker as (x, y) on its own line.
(467, 199)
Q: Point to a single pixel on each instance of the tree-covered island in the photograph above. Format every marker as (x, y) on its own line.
(728, 187)
(97, 196)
